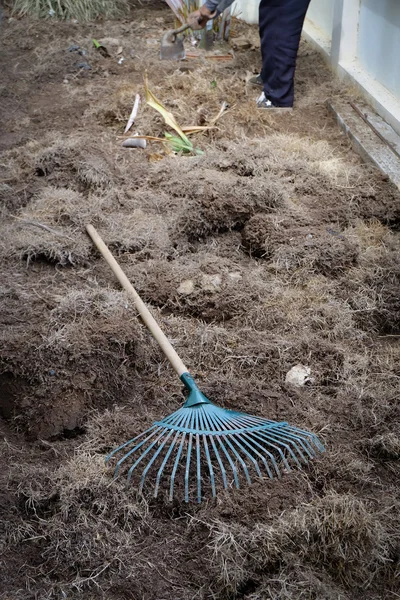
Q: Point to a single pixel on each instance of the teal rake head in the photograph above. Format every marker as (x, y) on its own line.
(212, 448)
(202, 447)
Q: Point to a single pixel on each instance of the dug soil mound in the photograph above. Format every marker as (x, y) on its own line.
(275, 247)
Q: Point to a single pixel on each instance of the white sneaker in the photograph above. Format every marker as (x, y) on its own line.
(265, 103)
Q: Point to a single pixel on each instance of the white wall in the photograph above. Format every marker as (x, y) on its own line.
(320, 13)
(379, 41)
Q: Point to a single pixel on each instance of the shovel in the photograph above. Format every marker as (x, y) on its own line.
(172, 47)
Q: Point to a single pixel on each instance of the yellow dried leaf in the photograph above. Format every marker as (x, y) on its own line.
(167, 116)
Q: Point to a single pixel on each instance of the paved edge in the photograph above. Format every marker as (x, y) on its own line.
(365, 141)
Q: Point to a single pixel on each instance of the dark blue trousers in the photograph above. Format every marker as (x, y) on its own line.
(281, 22)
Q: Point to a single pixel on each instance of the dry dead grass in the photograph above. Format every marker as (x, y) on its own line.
(337, 532)
(82, 10)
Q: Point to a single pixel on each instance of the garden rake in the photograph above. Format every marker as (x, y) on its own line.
(201, 446)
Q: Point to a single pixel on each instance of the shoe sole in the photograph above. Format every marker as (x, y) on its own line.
(254, 84)
(276, 108)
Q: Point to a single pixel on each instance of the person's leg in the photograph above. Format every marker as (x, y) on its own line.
(280, 23)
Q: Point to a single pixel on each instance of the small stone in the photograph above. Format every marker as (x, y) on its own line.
(186, 287)
(241, 43)
(84, 65)
(134, 142)
(211, 283)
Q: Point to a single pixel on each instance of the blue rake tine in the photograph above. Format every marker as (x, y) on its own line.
(226, 454)
(176, 463)
(304, 443)
(253, 437)
(265, 436)
(145, 453)
(187, 423)
(187, 468)
(220, 463)
(153, 458)
(128, 454)
(250, 444)
(179, 418)
(183, 422)
(209, 426)
(209, 463)
(309, 434)
(297, 441)
(111, 454)
(198, 458)
(237, 439)
(164, 462)
(188, 457)
(279, 433)
(268, 439)
(265, 439)
(239, 458)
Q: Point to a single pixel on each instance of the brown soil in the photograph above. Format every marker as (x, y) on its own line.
(275, 247)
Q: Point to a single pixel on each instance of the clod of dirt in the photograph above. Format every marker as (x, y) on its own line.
(291, 247)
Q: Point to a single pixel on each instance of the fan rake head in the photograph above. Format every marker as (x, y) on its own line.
(210, 445)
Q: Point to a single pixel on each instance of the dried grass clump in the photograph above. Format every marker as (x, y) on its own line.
(209, 287)
(47, 230)
(310, 305)
(292, 247)
(385, 446)
(222, 202)
(373, 293)
(82, 10)
(92, 525)
(144, 234)
(116, 107)
(66, 161)
(85, 319)
(92, 334)
(296, 582)
(337, 534)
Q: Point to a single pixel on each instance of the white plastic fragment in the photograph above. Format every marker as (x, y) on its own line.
(299, 375)
(134, 112)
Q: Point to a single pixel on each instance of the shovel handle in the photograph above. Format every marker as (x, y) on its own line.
(181, 29)
(142, 309)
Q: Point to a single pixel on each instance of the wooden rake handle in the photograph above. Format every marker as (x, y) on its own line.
(142, 309)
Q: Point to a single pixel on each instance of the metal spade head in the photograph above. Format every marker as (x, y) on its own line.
(172, 47)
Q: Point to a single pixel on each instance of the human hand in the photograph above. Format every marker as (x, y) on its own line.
(198, 19)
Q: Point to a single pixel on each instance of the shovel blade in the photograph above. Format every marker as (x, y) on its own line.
(172, 47)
